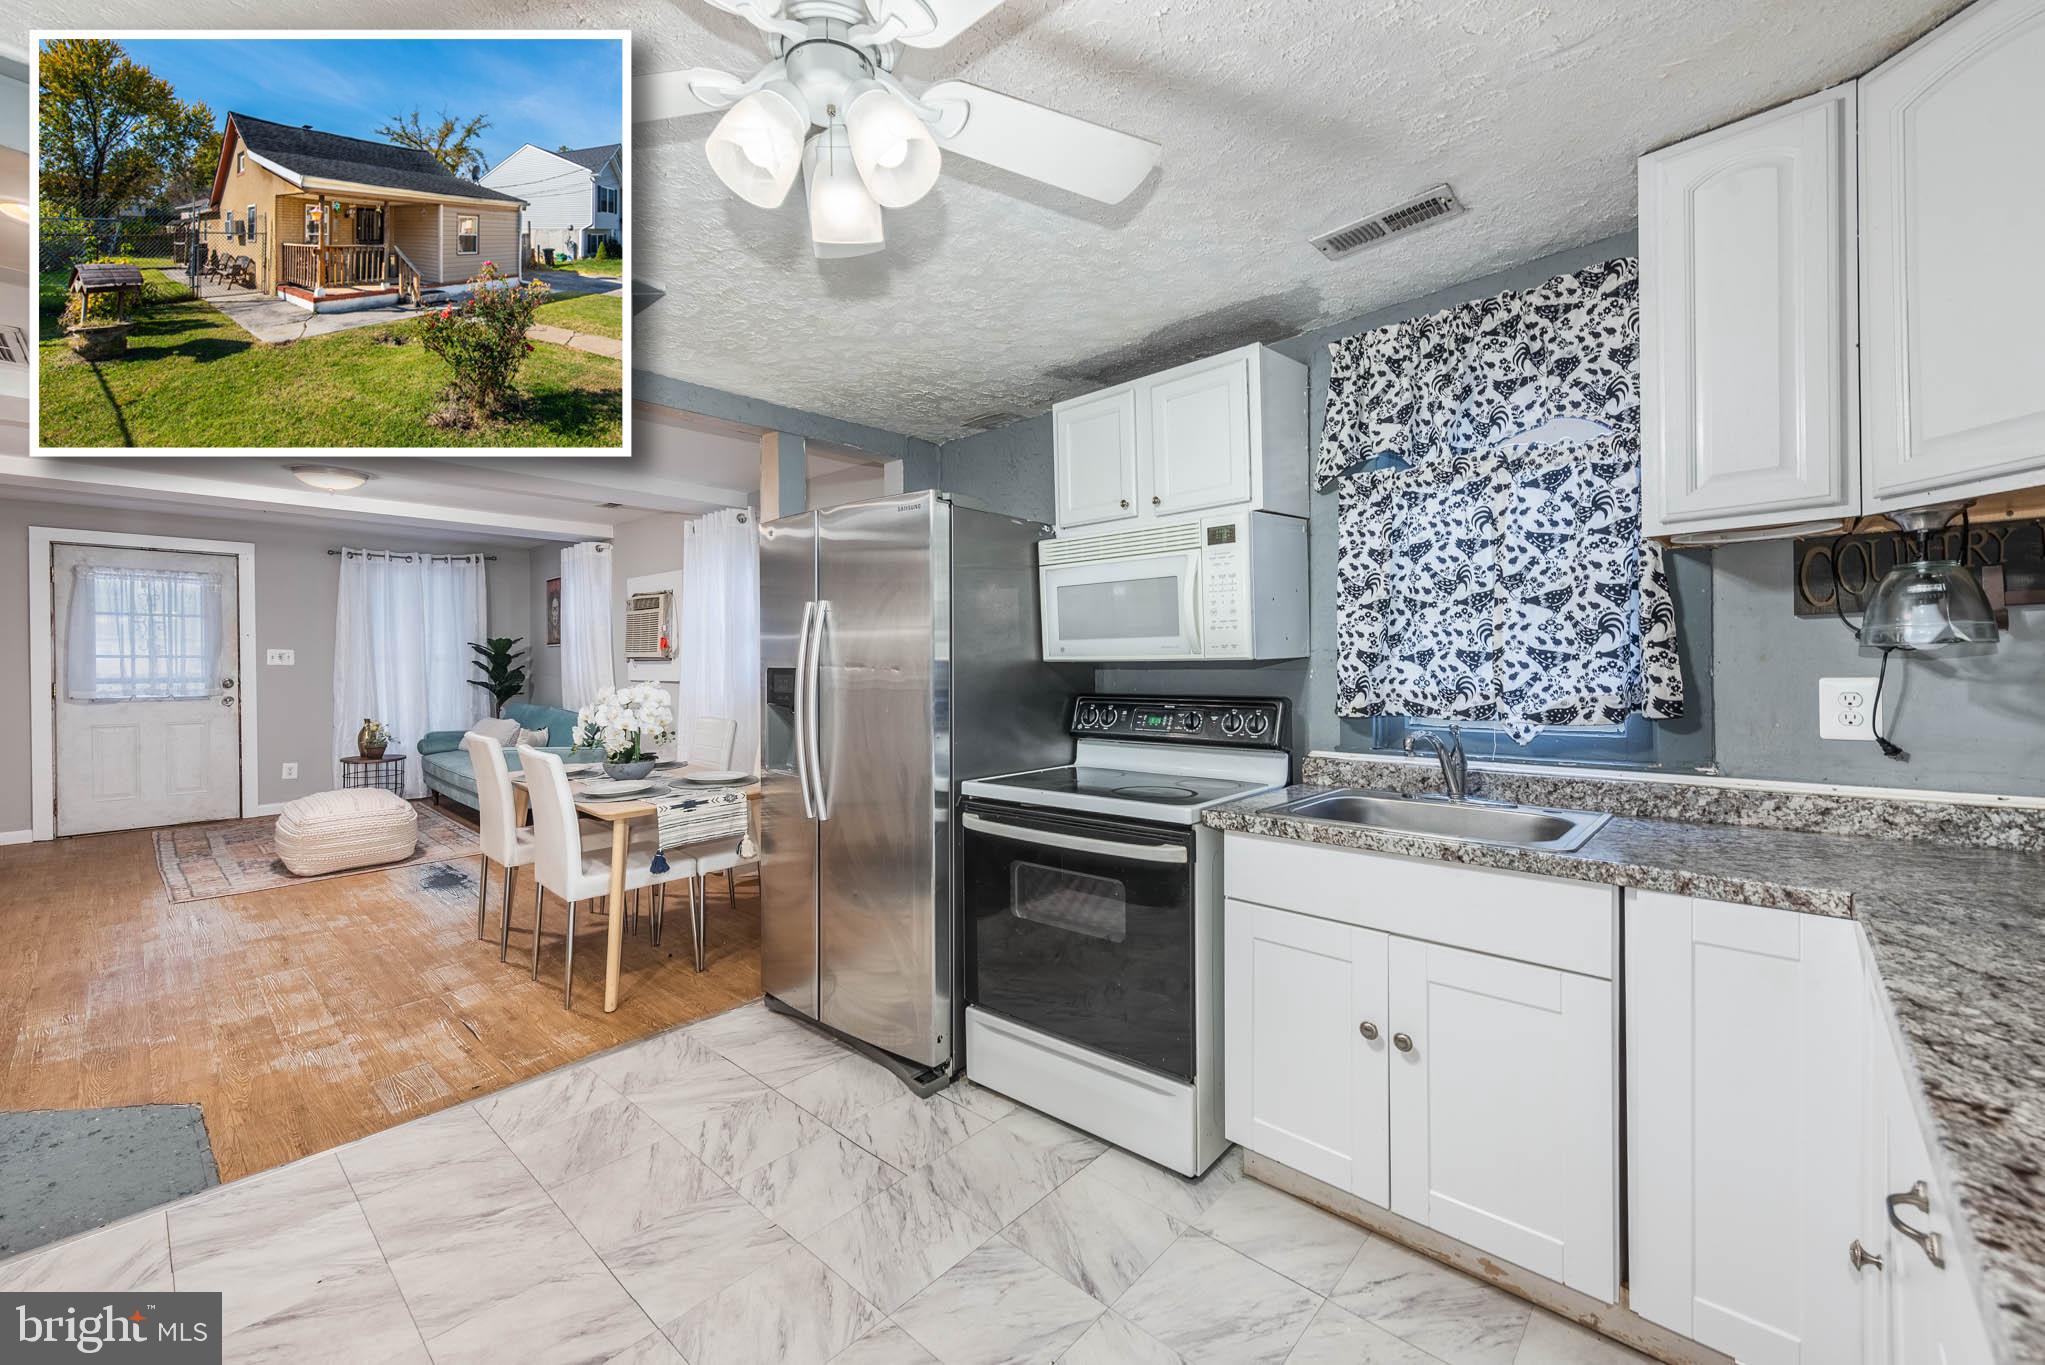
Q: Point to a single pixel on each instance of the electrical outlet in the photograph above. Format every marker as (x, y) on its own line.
(281, 656)
(290, 771)
(1846, 709)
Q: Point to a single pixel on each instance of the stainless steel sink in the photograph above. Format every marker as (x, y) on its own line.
(1437, 817)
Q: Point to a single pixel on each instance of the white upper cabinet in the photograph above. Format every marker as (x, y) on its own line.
(1747, 299)
(1952, 215)
(1229, 431)
(1094, 440)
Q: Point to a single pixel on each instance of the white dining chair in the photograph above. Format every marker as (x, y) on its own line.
(574, 873)
(504, 843)
(710, 744)
(710, 740)
(725, 860)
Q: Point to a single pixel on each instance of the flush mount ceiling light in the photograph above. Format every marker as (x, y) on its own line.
(831, 65)
(329, 478)
(17, 209)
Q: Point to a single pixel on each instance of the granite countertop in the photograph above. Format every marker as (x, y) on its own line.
(1957, 935)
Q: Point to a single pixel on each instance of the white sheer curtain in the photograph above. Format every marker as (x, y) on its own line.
(585, 622)
(720, 641)
(402, 630)
(142, 634)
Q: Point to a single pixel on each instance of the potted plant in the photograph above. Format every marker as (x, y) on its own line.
(628, 724)
(503, 670)
(372, 738)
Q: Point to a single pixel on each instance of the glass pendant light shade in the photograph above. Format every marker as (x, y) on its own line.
(893, 149)
(844, 220)
(1925, 604)
(756, 148)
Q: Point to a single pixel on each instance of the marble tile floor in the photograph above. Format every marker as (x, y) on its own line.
(745, 1189)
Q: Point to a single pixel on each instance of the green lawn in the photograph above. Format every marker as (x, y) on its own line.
(590, 265)
(192, 378)
(596, 314)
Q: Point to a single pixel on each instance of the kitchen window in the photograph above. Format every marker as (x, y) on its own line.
(465, 235)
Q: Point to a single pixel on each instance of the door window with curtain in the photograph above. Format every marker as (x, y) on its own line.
(402, 629)
(142, 635)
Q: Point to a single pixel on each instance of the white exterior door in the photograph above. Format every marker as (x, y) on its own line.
(1747, 301)
(133, 760)
(1504, 1133)
(1199, 437)
(1094, 456)
(1305, 1085)
(1951, 293)
(1745, 1061)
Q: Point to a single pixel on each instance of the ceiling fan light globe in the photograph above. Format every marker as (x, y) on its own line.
(892, 147)
(844, 220)
(756, 148)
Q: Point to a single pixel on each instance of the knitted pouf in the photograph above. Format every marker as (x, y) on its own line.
(334, 831)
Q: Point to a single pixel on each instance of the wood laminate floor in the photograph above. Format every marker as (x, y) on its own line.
(308, 1016)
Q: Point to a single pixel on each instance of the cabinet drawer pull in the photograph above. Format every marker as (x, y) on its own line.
(1402, 1042)
(1368, 1030)
(1861, 1258)
(1156, 501)
(1125, 502)
(1918, 1197)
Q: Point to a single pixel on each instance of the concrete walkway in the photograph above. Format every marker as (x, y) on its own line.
(273, 321)
(580, 341)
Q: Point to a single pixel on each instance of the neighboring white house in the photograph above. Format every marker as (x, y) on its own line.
(574, 197)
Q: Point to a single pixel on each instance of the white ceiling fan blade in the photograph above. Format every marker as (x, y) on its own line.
(1040, 143)
(676, 94)
(763, 14)
(928, 23)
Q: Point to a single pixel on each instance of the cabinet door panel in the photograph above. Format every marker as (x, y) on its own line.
(1199, 438)
(1504, 1128)
(1744, 1105)
(1094, 452)
(1951, 290)
(1304, 1086)
(1747, 279)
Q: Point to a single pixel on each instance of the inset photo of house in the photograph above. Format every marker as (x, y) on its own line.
(254, 242)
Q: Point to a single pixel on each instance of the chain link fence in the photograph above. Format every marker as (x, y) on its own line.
(210, 255)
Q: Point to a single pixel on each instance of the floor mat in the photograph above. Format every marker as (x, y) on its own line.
(229, 857)
(66, 1171)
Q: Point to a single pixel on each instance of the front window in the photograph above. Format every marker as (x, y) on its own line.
(606, 199)
(312, 223)
(465, 235)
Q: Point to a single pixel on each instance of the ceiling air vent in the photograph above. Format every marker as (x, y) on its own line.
(987, 421)
(1348, 238)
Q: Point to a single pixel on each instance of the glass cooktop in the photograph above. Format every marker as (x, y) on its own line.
(1164, 789)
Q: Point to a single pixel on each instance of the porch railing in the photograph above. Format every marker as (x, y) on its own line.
(311, 266)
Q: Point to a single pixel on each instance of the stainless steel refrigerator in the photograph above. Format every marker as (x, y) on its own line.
(901, 656)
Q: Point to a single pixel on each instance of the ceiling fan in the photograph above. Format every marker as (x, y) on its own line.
(827, 104)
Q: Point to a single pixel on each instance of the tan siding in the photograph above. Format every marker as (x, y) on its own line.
(253, 184)
(497, 242)
(412, 231)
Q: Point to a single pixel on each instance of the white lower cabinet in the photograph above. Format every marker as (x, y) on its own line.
(1467, 1091)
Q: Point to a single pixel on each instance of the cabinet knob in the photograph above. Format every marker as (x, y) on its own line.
(1125, 502)
(1156, 501)
(1861, 1257)
(1918, 1197)
(1402, 1042)
(1368, 1030)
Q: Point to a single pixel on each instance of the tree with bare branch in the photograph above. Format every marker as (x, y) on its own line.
(452, 141)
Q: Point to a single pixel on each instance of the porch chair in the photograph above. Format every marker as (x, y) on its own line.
(504, 843)
(574, 874)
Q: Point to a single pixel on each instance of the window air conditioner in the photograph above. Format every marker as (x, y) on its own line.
(649, 627)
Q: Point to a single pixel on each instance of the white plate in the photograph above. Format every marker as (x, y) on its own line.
(604, 790)
(715, 775)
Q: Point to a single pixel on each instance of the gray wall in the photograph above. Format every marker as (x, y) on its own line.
(297, 586)
(544, 673)
(1750, 666)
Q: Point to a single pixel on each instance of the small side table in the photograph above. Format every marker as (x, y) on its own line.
(387, 772)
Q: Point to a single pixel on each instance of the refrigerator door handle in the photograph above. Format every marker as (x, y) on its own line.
(816, 660)
(801, 701)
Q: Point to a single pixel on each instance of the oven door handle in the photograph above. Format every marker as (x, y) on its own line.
(1148, 853)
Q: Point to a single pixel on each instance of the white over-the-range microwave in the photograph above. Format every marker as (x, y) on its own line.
(1230, 586)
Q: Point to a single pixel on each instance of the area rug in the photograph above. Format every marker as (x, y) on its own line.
(66, 1171)
(230, 857)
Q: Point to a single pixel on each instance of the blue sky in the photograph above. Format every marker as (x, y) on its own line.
(545, 91)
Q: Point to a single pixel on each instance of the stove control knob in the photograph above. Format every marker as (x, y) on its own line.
(1109, 716)
(1232, 723)
(1257, 724)
(1191, 722)
(1089, 716)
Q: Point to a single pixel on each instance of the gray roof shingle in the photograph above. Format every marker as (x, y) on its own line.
(331, 156)
(591, 158)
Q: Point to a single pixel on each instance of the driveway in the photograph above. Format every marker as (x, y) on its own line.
(571, 282)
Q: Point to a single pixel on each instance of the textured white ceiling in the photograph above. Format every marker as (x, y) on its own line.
(997, 294)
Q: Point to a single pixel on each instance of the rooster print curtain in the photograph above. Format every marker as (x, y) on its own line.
(1484, 574)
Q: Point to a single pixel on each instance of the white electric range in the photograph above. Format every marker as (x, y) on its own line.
(1090, 900)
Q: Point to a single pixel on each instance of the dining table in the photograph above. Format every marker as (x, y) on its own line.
(618, 813)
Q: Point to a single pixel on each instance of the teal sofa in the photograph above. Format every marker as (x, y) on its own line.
(446, 764)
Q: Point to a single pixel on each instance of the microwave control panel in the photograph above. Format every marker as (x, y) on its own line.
(1257, 722)
(1224, 615)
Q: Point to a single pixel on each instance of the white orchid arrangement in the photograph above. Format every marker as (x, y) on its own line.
(627, 723)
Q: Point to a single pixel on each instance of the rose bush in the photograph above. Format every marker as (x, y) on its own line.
(483, 340)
